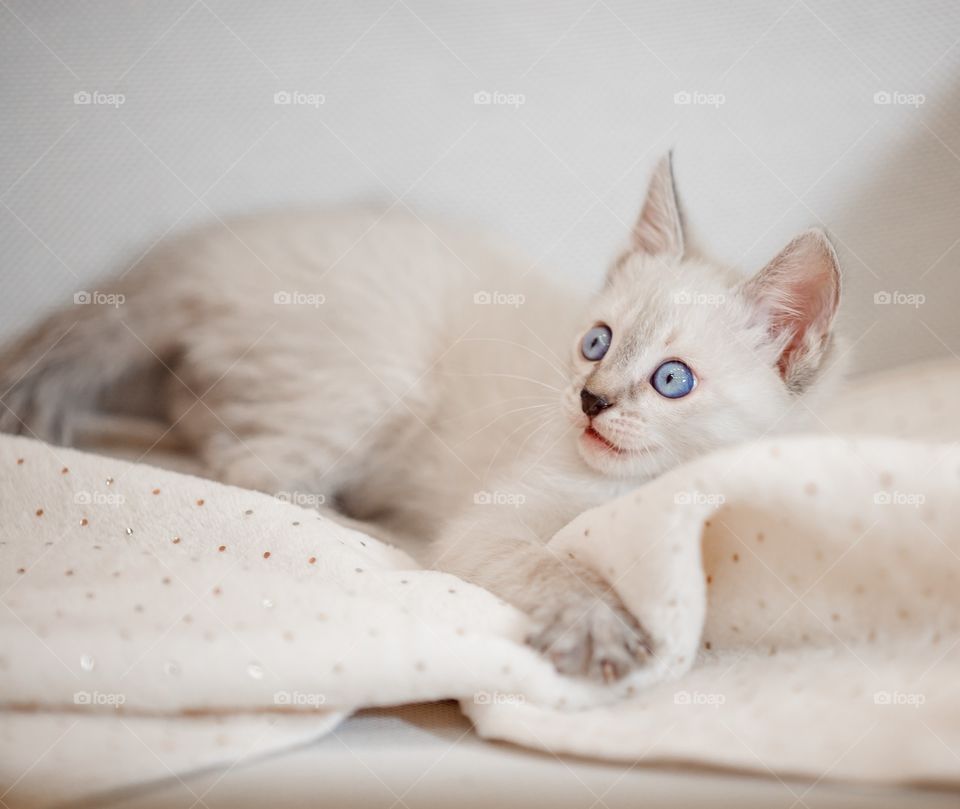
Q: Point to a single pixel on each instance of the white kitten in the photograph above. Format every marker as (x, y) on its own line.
(426, 381)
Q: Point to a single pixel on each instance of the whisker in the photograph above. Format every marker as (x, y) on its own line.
(560, 372)
(544, 454)
(503, 443)
(508, 376)
(541, 398)
(540, 340)
(502, 415)
(530, 435)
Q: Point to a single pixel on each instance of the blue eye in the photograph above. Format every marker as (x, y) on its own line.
(673, 379)
(596, 342)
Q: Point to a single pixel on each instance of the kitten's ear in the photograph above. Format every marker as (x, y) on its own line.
(659, 231)
(797, 295)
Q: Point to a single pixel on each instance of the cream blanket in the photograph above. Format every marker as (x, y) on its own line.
(804, 593)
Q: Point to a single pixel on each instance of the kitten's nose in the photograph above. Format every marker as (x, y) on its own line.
(591, 404)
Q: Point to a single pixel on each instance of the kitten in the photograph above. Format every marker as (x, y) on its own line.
(426, 381)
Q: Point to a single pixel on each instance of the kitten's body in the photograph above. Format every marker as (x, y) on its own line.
(432, 390)
(397, 398)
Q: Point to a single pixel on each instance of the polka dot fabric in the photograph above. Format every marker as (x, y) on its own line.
(185, 595)
(802, 595)
(144, 607)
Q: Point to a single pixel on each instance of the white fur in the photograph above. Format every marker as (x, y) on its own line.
(406, 400)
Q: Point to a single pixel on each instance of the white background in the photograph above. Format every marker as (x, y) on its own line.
(798, 139)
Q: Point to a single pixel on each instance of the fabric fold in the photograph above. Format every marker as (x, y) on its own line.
(802, 594)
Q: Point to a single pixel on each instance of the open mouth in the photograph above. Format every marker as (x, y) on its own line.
(596, 439)
(592, 436)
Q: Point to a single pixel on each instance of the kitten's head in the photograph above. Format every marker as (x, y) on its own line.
(678, 355)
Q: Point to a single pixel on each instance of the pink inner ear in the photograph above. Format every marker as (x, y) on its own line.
(798, 292)
(811, 317)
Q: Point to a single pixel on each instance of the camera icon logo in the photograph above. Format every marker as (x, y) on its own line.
(83, 97)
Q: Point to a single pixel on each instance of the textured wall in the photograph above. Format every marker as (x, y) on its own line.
(798, 138)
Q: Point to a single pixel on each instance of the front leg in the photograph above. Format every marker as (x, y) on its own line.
(580, 624)
(584, 628)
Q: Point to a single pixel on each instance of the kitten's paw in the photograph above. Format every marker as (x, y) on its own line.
(587, 635)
